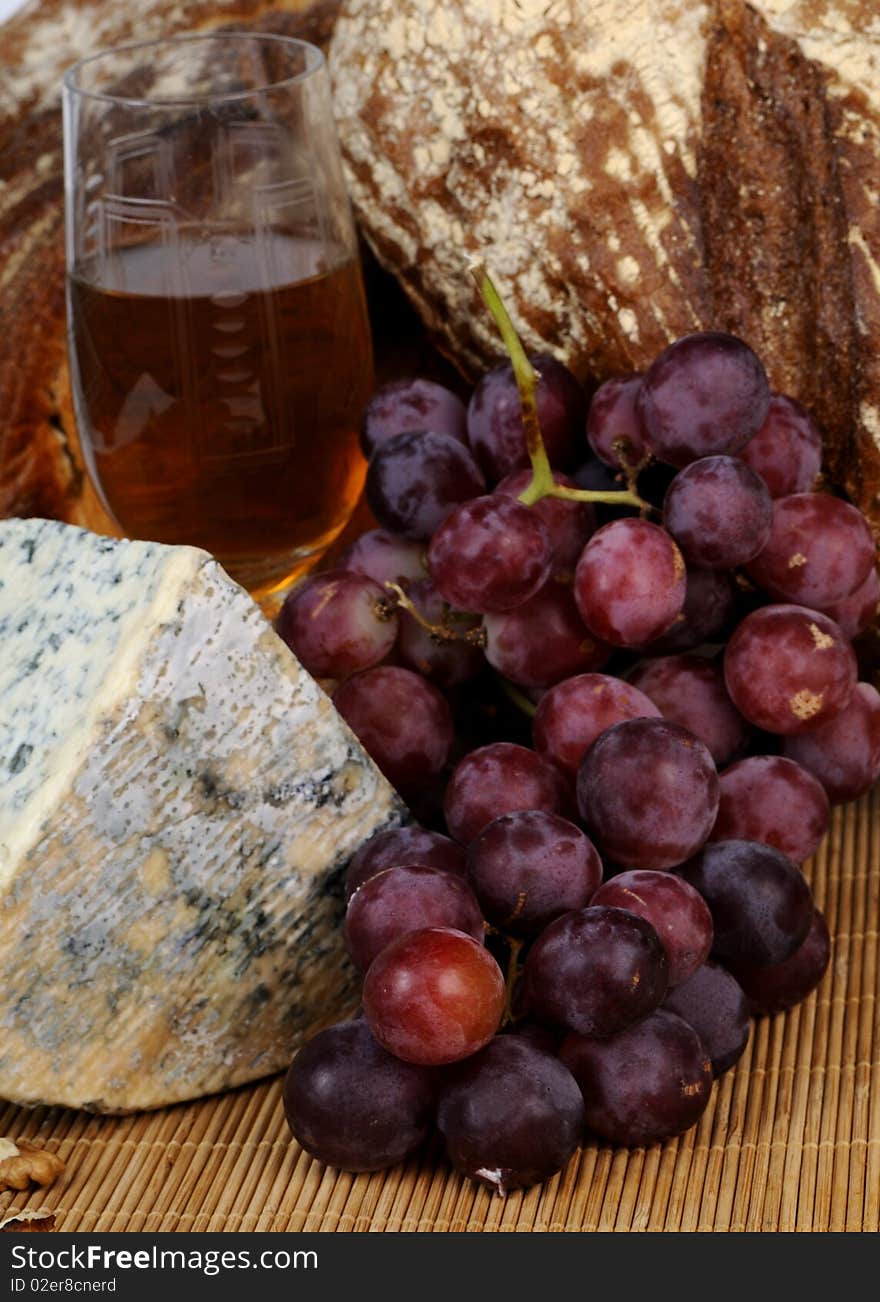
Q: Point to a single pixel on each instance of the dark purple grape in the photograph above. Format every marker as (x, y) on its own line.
(773, 800)
(689, 690)
(543, 640)
(677, 912)
(709, 606)
(760, 902)
(445, 663)
(354, 1106)
(414, 480)
(787, 450)
(630, 582)
(400, 900)
(337, 623)
(406, 405)
(501, 778)
(844, 754)
(705, 394)
(490, 554)
(789, 669)
(782, 985)
(494, 418)
(648, 793)
(594, 475)
(612, 424)
(434, 996)
(541, 1037)
(512, 1116)
(571, 715)
(859, 610)
(569, 524)
(398, 848)
(820, 550)
(382, 557)
(596, 971)
(712, 1002)
(644, 1085)
(402, 722)
(530, 867)
(719, 512)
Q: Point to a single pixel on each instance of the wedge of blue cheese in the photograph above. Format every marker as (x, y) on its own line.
(178, 801)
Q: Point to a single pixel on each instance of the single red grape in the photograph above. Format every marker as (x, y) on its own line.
(543, 640)
(705, 394)
(630, 582)
(820, 550)
(772, 989)
(713, 1003)
(789, 669)
(497, 779)
(412, 404)
(354, 1106)
(648, 793)
(773, 800)
(568, 523)
(530, 867)
(384, 558)
(490, 554)
(400, 900)
(719, 512)
(709, 605)
(337, 623)
(844, 753)
(689, 690)
(494, 417)
(676, 911)
(402, 722)
(399, 847)
(613, 426)
(596, 971)
(571, 715)
(644, 1085)
(414, 480)
(787, 450)
(434, 996)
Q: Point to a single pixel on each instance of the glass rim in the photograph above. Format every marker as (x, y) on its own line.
(315, 57)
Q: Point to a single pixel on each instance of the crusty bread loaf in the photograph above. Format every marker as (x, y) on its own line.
(633, 170)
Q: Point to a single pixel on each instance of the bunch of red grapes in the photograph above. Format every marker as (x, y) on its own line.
(669, 607)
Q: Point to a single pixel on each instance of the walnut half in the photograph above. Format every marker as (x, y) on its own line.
(23, 1163)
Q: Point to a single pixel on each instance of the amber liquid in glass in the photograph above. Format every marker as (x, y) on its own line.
(219, 393)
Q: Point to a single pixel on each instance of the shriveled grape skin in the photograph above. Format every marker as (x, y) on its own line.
(497, 779)
(445, 663)
(787, 450)
(490, 554)
(820, 550)
(494, 417)
(384, 558)
(713, 1003)
(705, 394)
(760, 902)
(400, 900)
(415, 479)
(433, 997)
(676, 911)
(571, 715)
(648, 793)
(844, 753)
(612, 423)
(411, 404)
(689, 690)
(511, 1116)
(569, 524)
(789, 669)
(771, 799)
(596, 971)
(859, 610)
(719, 512)
(630, 582)
(544, 640)
(530, 867)
(775, 988)
(402, 722)
(337, 623)
(645, 1084)
(354, 1106)
(397, 848)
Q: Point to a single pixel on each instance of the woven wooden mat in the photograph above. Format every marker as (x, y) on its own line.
(790, 1141)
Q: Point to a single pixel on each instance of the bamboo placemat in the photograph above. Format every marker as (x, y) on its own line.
(790, 1141)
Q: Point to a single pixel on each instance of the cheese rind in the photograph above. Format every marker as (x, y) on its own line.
(171, 850)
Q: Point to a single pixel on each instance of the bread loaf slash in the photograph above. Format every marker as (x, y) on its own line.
(633, 170)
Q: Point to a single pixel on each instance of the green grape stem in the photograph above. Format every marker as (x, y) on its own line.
(543, 483)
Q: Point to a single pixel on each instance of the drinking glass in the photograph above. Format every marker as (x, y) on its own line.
(218, 335)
